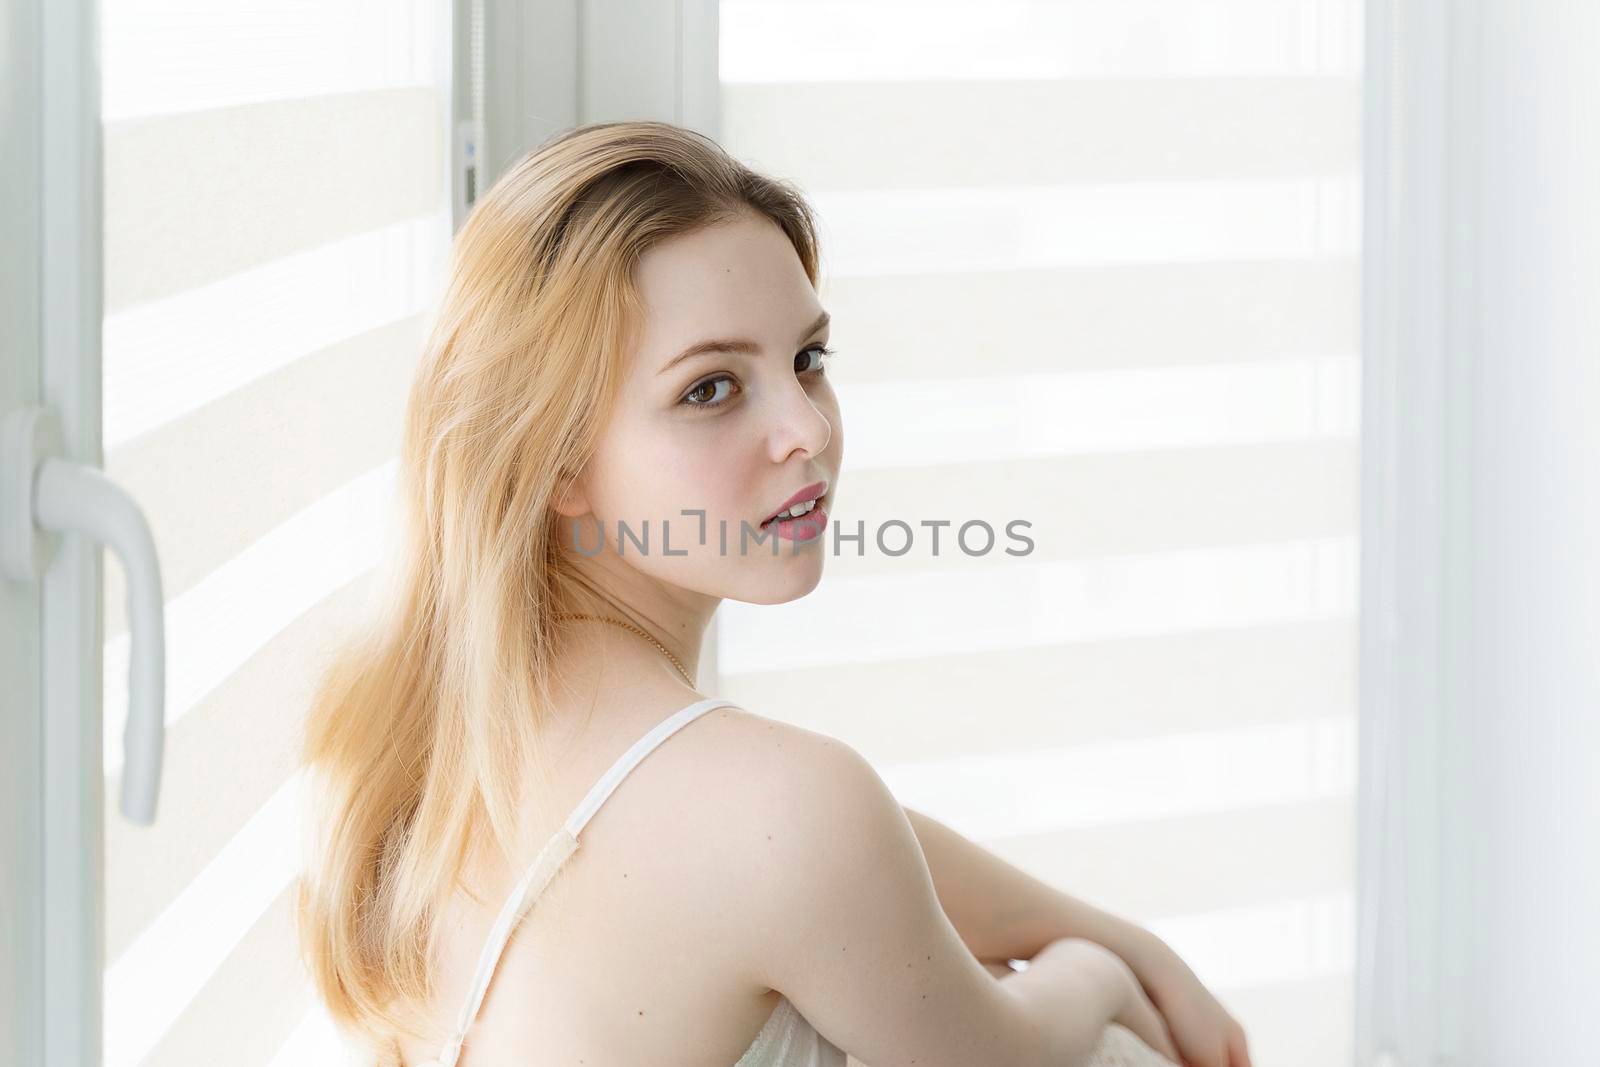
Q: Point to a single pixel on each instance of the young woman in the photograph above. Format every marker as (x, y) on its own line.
(625, 383)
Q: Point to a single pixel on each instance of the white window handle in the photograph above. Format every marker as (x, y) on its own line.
(43, 495)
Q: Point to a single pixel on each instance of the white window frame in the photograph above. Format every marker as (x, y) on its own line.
(553, 66)
(52, 787)
(50, 752)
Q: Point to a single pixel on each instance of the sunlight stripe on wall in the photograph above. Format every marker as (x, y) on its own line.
(157, 58)
(1110, 503)
(1227, 858)
(150, 984)
(255, 457)
(1233, 948)
(193, 197)
(1121, 129)
(166, 357)
(933, 706)
(316, 1041)
(923, 422)
(1109, 783)
(871, 232)
(250, 1002)
(1092, 317)
(1016, 604)
(898, 40)
(255, 711)
(219, 623)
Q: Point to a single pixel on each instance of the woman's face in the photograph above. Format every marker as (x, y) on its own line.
(734, 430)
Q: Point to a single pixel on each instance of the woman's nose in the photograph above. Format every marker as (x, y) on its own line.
(800, 422)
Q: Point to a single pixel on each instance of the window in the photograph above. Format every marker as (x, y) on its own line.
(277, 217)
(1093, 264)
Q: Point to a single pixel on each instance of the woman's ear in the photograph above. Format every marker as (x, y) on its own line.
(571, 502)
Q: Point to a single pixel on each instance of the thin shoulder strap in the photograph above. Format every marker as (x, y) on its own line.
(563, 843)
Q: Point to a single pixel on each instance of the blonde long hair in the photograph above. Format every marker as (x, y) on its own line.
(425, 727)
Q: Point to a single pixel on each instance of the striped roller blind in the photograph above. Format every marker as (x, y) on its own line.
(1093, 264)
(277, 218)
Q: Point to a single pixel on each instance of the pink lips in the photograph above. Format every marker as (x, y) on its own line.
(812, 491)
(807, 527)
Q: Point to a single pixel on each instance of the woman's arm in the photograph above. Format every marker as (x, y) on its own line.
(1001, 912)
(999, 968)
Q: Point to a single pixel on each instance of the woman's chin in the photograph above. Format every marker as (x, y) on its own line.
(785, 578)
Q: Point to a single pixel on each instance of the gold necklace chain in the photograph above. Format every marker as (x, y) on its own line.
(628, 625)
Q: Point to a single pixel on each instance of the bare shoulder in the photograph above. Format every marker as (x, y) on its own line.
(727, 796)
(782, 790)
(710, 822)
(784, 754)
(827, 898)
(763, 803)
(801, 807)
(749, 855)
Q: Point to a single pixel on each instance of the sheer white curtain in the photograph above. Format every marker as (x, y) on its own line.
(1480, 806)
(1093, 264)
(277, 214)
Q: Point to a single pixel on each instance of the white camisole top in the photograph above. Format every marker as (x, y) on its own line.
(786, 1040)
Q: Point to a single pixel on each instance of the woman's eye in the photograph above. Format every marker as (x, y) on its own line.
(820, 351)
(704, 395)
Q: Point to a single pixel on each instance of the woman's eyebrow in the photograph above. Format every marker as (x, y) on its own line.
(735, 344)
